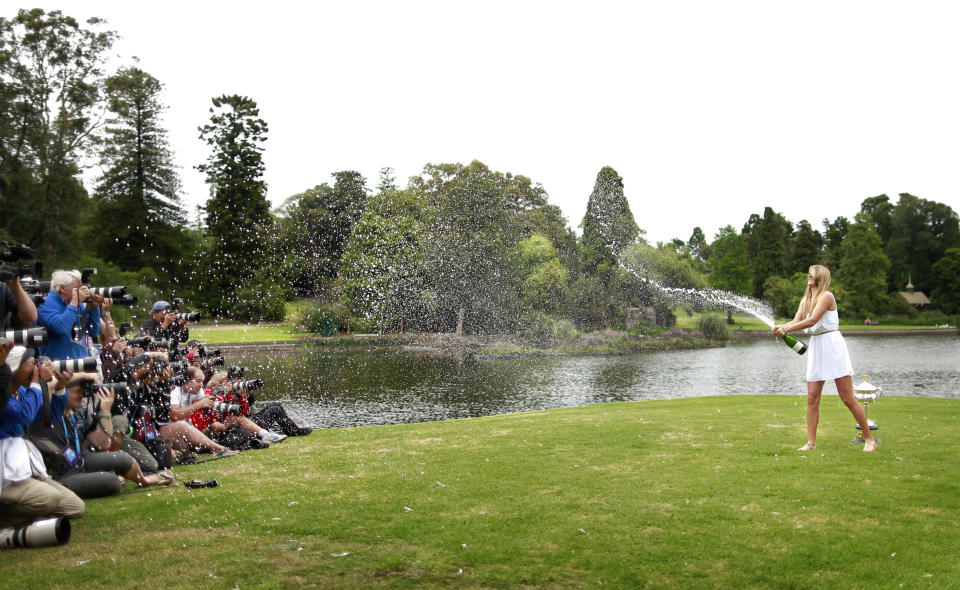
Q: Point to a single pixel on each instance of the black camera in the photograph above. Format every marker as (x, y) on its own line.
(127, 300)
(84, 365)
(140, 341)
(30, 338)
(235, 371)
(179, 366)
(90, 388)
(13, 253)
(170, 344)
(248, 385)
(177, 380)
(202, 350)
(123, 328)
(216, 361)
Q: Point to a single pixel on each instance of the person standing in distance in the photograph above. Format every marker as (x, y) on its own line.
(828, 357)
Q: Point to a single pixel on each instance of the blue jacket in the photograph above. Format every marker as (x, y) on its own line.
(58, 318)
(26, 409)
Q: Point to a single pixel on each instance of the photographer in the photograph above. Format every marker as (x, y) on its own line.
(28, 493)
(77, 446)
(163, 324)
(15, 302)
(71, 315)
(215, 411)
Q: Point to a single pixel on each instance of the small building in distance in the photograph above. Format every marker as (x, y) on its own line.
(914, 298)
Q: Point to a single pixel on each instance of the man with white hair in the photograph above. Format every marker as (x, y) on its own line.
(71, 315)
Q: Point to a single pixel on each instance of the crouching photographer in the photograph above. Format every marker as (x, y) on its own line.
(79, 447)
(271, 416)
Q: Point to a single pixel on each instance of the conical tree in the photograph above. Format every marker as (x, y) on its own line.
(237, 214)
(139, 214)
(608, 225)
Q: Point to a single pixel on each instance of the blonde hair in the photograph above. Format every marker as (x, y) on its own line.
(821, 282)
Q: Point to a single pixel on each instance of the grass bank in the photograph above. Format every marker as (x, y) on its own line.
(694, 493)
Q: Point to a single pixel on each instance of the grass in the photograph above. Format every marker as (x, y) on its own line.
(693, 493)
(239, 333)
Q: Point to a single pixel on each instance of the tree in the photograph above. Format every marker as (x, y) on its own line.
(50, 81)
(547, 284)
(863, 267)
(608, 225)
(921, 232)
(833, 234)
(472, 227)
(698, 245)
(730, 267)
(382, 273)
(138, 211)
(315, 227)
(807, 247)
(946, 275)
(237, 212)
(769, 242)
(880, 211)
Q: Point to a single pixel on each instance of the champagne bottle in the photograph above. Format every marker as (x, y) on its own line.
(797, 346)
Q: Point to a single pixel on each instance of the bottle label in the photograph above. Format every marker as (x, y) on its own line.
(797, 346)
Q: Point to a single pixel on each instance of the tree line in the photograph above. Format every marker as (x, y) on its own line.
(460, 248)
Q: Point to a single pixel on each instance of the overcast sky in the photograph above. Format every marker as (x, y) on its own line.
(710, 111)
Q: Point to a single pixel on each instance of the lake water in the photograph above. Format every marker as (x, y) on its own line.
(337, 388)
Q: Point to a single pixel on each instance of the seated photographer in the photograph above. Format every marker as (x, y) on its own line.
(80, 450)
(163, 324)
(71, 315)
(213, 412)
(28, 493)
(271, 416)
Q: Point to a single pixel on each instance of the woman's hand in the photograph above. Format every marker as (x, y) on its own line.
(107, 397)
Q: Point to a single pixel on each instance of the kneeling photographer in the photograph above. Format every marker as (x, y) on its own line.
(79, 447)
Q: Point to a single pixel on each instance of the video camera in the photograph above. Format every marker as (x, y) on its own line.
(12, 253)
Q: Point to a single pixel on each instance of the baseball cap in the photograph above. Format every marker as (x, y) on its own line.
(160, 306)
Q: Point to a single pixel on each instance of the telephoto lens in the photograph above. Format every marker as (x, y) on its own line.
(168, 344)
(248, 385)
(42, 533)
(126, 300)
(140, 341)
(31, 338)
(84, 365)
(190, 316)
(216, 361)
(111, 292)
(177, 380)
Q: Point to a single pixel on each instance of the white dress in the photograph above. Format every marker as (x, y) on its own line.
(827, 357)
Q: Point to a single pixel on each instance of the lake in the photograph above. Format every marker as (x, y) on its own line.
(339, 388)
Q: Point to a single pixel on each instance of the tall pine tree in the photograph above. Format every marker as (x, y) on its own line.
(608, 225)
(234, 275)
(138, 213)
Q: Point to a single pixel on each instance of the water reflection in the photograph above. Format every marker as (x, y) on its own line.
(333, 388)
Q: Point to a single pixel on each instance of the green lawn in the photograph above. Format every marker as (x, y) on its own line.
(239, 333)
(695, 493)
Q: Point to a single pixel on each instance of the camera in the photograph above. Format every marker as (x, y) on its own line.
(123, 328)
(90, 389)
(30, 338)
(248, 385)
(216, 361)
(170, 344)
(179, 366)
(84, 365)
(227, 408)
(128, 300)
(235, 371)
(140, 341)
(111, 292)
(13, 253)
(177, 381)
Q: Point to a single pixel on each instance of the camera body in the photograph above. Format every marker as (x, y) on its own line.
(90, 389)
(10, 253)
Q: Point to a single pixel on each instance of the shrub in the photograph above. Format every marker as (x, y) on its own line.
(545, 330)
(714, 327)
(323, 318)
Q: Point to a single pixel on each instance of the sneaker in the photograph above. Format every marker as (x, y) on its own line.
(273, 437)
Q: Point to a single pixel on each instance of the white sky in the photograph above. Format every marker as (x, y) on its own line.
(709, 110)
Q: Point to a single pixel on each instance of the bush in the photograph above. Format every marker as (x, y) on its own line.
(714, 327)
(545, 330)
(325, 316)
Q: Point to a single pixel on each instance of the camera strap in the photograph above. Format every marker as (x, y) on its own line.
(45, 420)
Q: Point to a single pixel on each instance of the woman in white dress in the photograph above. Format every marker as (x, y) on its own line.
(827, 357)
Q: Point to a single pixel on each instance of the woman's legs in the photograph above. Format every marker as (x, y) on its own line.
(814, 390)
(185, 437)
(845, 390)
